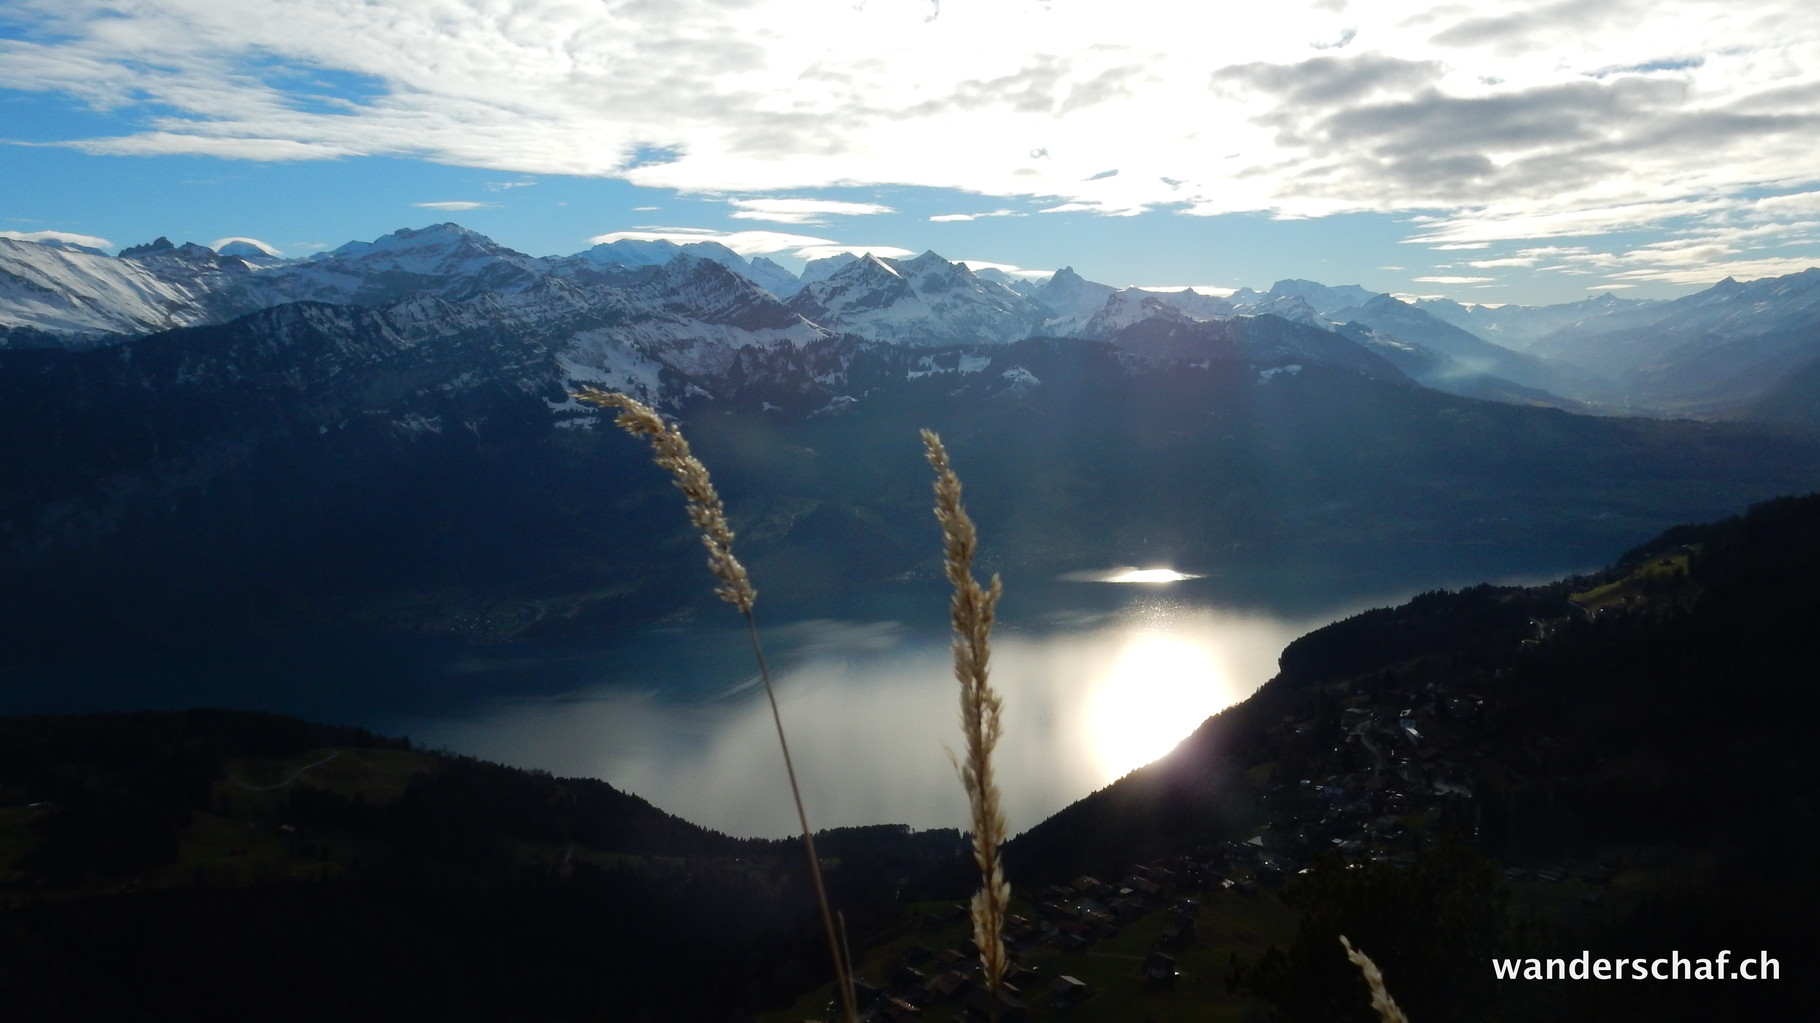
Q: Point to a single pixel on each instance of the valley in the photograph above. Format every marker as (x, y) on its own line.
(356, 489)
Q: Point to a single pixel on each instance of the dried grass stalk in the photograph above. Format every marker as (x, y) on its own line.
(1381, 1001)
(671, 451)
(980, 710)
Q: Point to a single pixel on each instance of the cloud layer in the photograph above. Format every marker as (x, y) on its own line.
(1539, 119)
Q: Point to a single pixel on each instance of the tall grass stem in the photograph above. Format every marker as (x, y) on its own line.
(972, 612)
(1381, 1002)
(671, 452)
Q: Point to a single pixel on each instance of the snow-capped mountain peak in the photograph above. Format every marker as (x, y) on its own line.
(442, 250)
(922, 301)
(88, 297)
(659, 251)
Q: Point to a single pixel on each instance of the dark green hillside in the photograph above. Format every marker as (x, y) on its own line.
(212, 865)
(1618, 763)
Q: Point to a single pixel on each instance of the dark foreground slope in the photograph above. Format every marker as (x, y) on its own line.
(1619, 764)
(216, 865)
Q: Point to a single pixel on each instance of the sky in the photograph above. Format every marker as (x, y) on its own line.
(1532, 151)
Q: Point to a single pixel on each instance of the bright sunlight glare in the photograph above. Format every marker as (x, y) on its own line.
(1158, 690)
(1126, 574)
(1149, 575)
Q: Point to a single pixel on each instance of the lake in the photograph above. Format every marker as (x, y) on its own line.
(1098, 678)
(871, 708)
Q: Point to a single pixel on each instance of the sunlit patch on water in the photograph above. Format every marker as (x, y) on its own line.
(871, 709)
(1156, 689)
(1128, 574)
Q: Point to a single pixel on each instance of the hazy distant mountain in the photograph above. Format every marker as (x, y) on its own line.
(1071, 300)
(1021, 285)
(824, 268)
(1714, 353)
(1125, 308)
(1518, 327)
(1793, 399)
(1472, 365)
(1321, 298)
(656, 252)
(1269, 343)
(1427, 348)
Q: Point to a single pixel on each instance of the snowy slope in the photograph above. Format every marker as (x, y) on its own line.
(922, 302)
(692, 316)
(1132, 305)
(657, 252)
(66, 290)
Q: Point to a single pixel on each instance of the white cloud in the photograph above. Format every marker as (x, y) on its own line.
(1532, 120)
(165, 143)
(1215, 290)
(1007, 268)
(953, 218)
(802, 211)
(835, 249)
(753, 243)
(456, 206)
(1706, 273)
(1095, 207)
(1443, 279)
(67, 237)
(265, 247)
(1505, 222)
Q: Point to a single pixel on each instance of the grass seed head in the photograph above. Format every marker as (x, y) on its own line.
(671, 451)
(972, 612)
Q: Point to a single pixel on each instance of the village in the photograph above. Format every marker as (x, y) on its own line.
(1377, 772)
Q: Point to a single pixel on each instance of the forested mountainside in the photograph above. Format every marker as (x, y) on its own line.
(1613, 763)
(319, 467)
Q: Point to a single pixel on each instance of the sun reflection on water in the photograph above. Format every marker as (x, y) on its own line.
(870, 707)
(1157, 689)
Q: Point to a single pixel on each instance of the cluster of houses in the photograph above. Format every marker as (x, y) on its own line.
(1382, 766)
(1392, 758)
(927, 984)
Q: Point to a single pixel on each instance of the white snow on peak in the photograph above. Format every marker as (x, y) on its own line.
(920, 302)
(441, 250)
(871, 262)
(634, 252)
(77, 291)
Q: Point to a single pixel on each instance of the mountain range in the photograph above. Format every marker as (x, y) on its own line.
(384, 432)
(1732, 351)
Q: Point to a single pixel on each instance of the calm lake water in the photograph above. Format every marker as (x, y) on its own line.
(871, 708)
(1098, 678)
